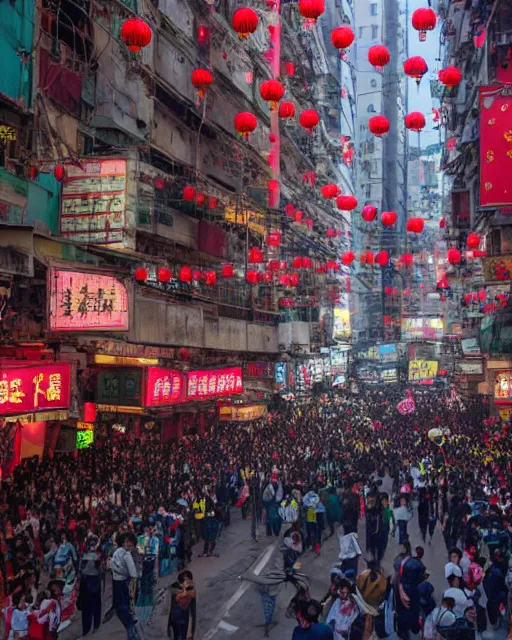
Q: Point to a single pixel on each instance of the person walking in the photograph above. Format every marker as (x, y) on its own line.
(90, 586)
(124, 576)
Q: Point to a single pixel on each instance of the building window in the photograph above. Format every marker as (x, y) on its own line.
(360, 32)
(373, 9)
(373, 83)
(375, 32)
(370, 108)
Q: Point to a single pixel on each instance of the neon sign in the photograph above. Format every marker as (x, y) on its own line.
(210, 383)
(164, 387)
(41, 387)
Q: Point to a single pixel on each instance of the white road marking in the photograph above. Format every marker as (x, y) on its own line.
(225, 626)
(239, 593)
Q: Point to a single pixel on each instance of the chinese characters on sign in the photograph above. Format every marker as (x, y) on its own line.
(164, 387)
(503, 386)
(422, 328)
(94, 201)
(259, 370)
(420, 370)
(81, 301)
(214, 382)
(34, 388)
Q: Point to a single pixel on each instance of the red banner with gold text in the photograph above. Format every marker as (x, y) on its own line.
(495, 146)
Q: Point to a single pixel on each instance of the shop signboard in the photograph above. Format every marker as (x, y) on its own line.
(259, 370)
(339, 360)
(33, 388)
(422, 370)
(86, 301)
(341, 323)
(470, 346)
(388, 353)
(498, 269)
(503, 386)
(469, 367)
(368, 374)
(94, 201)
(280, 377)
(164, 387)
(242, 414)
(210, 383)
(421, 328)
(119, 387)
(84, 435)
(389, 375)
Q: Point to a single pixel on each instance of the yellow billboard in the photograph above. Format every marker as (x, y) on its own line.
(341, 325)
(242, 414)
(240, 216)
(422, 370)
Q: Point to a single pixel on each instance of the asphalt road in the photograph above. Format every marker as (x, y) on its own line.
(231, 609)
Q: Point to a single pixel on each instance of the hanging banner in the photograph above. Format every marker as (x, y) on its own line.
(94, 201)
(280, 377)
(85, 301)
(341, 326)
(259, 370)
(495, 145)
(28, 388)
(164, 387)
(210, 383)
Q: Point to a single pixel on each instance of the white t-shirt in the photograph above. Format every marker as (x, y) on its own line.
(463, 600)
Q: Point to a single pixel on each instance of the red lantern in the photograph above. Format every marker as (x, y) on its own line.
(482, 295)
(284, 280)
(407, 259)
(289, 68)
(423, 20)
(479, 254)
(272, 91)
(228, 271)
(332, 233)
(289, 210)
(89, 412)
(415, 225)
(369, 213)
(450, 77)
(362, 258)
(348, 258)
(387, 319)
(245, 21)
(136, 34)
(370, 258)
(273, 265)
(298, 216)
(210, 278)
(453, 256)
(245, 123)
(330, 191)
(297, 262)
(189, 193)
(331, 265)
(382, 258)
(388, 291)
(306, 263)
(200, 199)
(415, 67)
(442, 223)
(183, 354)
(309, 120)
(293, 280)
(159, 183)
(286, 110)
(197, 275)
(255, 255)
(164, 274)
(473, 241)
(202, 79)
(415, 121)
(274, 239)
(141, 274)
(268, 276)
(342, 37)
(378, 125)
(322, 268)
(311, 10)
(252, 277)
(346, 202)
(213, 203)
(378, 56)
(388, 218)
(185, 274)
(59, 173)
(407, 292)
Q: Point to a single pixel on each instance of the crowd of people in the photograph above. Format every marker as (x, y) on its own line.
(134, 511)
